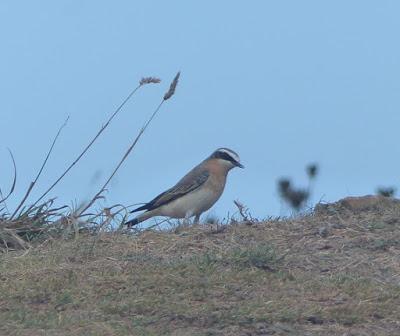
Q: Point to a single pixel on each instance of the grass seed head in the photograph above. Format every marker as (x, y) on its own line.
(149, 80)
(172, 87)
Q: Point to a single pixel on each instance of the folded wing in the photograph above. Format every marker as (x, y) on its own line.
(187, 184)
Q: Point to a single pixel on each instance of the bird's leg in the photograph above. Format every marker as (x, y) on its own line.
(186, 220)
(196, 219)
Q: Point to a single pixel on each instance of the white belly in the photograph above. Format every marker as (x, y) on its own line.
(193, 203)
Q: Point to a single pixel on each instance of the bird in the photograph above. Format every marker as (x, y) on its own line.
(195, 193)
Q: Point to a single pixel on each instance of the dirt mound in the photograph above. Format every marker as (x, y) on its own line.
(333, 272)
(371, 203)
(361, 210)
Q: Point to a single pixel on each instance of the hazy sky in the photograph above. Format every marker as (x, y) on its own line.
(283, 83)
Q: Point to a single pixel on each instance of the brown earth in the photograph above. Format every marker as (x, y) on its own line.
(333, 272)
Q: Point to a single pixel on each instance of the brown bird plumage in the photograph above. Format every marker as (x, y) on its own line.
(195, 193)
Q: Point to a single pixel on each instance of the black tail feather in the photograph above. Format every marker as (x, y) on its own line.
(143, 207)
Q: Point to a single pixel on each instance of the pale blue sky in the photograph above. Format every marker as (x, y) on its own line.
(283, 83)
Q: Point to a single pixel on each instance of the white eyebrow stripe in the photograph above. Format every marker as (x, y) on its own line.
(230, 153)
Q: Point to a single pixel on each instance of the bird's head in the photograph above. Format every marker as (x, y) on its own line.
(227, 157)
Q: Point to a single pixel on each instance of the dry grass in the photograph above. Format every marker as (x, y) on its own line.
(40, 219)
(335, 272)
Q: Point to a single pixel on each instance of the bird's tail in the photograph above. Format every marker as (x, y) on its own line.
(142, 217)
(143, 207)
(136, 220)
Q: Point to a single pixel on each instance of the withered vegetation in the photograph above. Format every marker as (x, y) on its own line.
(332, 272)
(41, 219)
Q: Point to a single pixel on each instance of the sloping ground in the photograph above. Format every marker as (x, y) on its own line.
(335, 272)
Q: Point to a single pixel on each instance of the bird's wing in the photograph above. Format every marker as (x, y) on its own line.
(193, 180)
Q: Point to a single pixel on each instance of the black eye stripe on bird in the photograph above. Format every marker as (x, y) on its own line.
(223, 156)
(227, 154)
(195, 193)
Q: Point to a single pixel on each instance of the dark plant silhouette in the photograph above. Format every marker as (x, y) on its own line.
(284, 186)
(386, 191)
(312, 170)
(297, 198)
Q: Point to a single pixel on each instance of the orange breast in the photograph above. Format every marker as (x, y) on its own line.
(217, 178)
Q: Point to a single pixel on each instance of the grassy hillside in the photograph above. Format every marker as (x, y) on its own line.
(334, 272)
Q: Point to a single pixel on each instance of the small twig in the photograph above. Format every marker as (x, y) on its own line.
(141, 83)
(109, 217)
(155, 225)
(51, 149)
(41, 168)
(14, 179)
(242, 209)
(2, 201)
(129, 150)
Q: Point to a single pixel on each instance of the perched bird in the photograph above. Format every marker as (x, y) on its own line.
(195, 193)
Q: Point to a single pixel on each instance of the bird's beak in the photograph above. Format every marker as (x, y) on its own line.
(238, 164)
